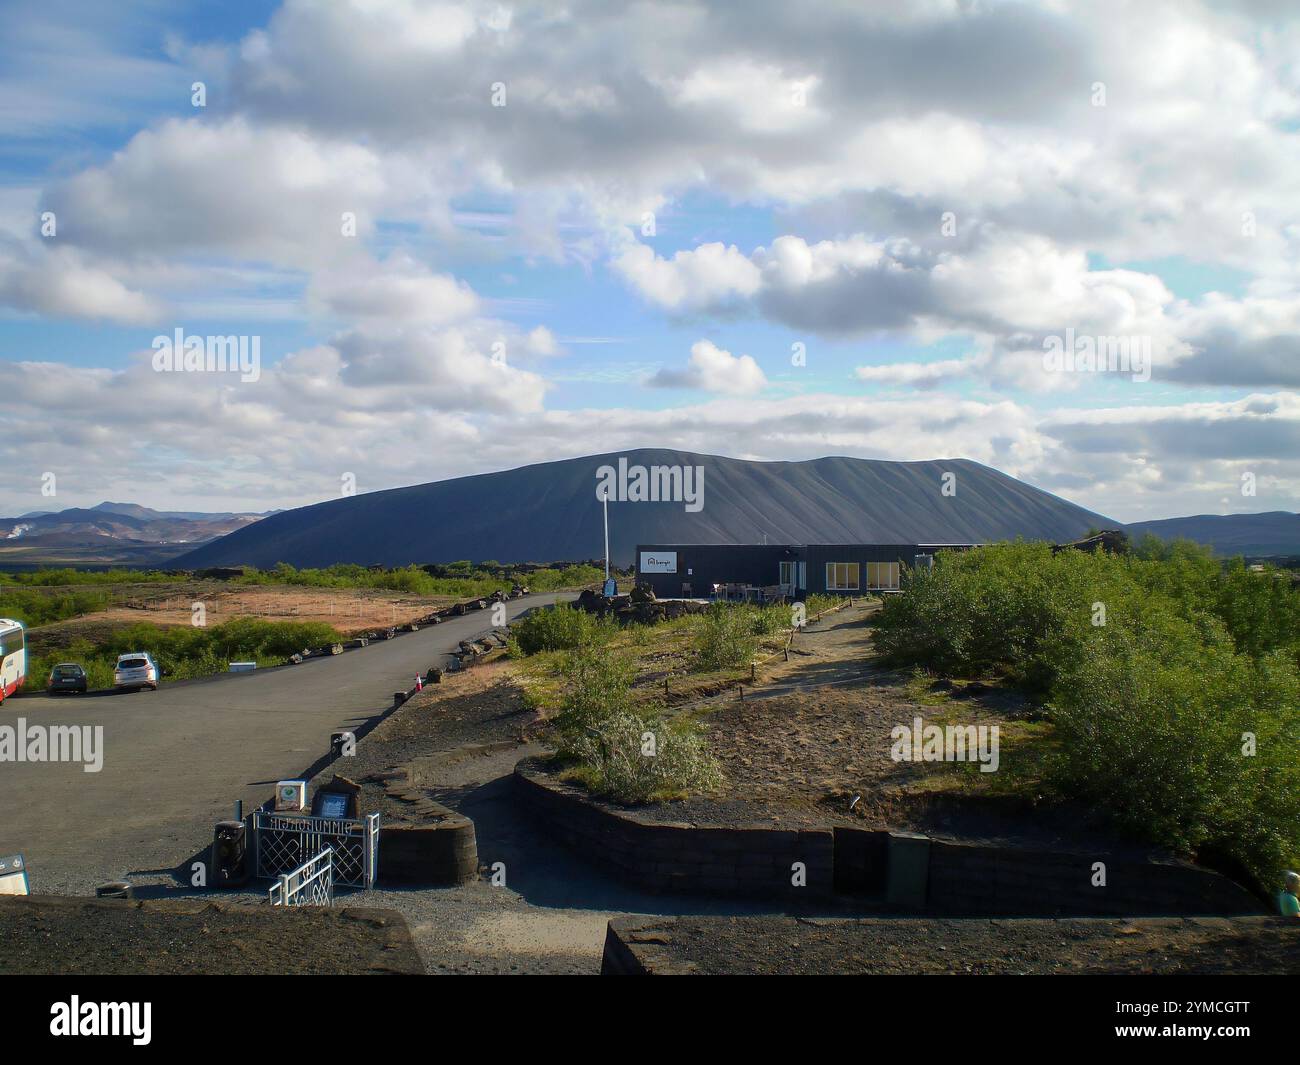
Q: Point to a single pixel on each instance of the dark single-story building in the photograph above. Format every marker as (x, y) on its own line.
(707, 571)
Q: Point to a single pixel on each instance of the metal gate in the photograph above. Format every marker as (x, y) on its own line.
(311, 884)
(284, 844)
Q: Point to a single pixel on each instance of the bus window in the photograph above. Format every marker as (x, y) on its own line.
(11, 641)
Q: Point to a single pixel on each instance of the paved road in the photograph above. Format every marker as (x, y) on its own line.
(176, 760)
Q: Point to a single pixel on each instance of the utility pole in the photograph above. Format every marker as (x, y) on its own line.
(610, 588)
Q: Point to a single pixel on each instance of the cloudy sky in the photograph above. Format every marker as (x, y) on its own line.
(474, 236)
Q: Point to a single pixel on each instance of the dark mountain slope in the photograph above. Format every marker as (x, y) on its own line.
(1273, 533)
(550, 511)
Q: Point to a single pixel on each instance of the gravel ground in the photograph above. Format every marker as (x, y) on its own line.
(797, 946)
(438, 738)
(45, 934)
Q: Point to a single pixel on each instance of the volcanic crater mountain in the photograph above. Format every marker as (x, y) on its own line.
(550, 511)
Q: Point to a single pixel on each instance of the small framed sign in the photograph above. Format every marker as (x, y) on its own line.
(338, 797)
(291, 796)
(332, 804)
(13, 876)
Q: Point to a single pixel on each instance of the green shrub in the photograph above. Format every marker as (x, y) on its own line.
(725, 637)
(36, 606)
(1155, 735)
(816, 603)
(462, 580)
(549, 580)
(771, 619)
(559, 628)
(598, 729)
(183, 651)
(597, 684)
(635, 760)
(1148, 709)
(44, 578)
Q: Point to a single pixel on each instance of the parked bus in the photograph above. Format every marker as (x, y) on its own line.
(13, 657)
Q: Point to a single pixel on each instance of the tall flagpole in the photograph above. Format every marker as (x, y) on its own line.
(605, 506)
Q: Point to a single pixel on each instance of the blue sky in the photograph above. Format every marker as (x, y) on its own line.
(921, 198)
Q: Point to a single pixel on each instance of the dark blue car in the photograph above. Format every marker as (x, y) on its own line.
(67, 677)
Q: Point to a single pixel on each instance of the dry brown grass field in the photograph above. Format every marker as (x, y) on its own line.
(350, 610)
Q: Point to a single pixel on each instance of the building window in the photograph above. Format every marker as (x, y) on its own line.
(787, 574)
(882, 574)
(841, 576)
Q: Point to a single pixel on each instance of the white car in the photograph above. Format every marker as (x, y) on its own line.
(136, 670)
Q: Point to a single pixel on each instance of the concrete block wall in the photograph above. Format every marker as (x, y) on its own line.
(861, 860)
(972, 879)
(435, 855)
(683, 858)
(909, 872)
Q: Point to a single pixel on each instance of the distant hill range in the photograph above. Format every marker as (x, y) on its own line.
(551, 511)
(111, 533)
(1275, 532)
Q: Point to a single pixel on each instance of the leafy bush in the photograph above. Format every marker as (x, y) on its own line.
(598, 729)
(1010, 608)
(634, 760)
(1150, 707)
(1156, 736)
(597, 684)
(549, 580)
(462, 579)
(183, 651)
(59, 577)
(726, 637)
(816, 602)
(769, 620)
(34, 607)
(559, 628)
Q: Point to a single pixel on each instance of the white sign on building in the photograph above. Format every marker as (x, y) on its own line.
(658, 562)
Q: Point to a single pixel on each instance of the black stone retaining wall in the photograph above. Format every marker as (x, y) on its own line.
(445, 853)
(861, 860)
(668, 857)
(900, 870)
(970, 879)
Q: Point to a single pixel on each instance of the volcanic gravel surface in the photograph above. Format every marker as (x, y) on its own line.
(804, 946)
(50, 934)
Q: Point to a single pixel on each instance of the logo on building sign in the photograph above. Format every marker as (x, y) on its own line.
(659, 562)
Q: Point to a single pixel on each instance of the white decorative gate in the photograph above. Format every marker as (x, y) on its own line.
(284, 844)
(311, 884)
